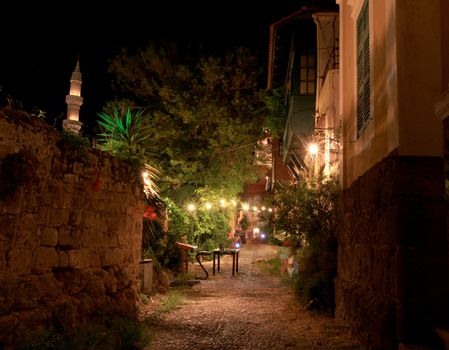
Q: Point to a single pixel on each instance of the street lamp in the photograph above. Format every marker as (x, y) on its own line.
(313, 150)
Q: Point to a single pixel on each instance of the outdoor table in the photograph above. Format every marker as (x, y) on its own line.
(185, 255)
(198, 255)
(235, 259)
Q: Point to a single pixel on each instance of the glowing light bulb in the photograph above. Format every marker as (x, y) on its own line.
(313, 149)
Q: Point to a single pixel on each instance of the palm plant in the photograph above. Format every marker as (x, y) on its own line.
(124, 134)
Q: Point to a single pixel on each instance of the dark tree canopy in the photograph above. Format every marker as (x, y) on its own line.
(205, 115)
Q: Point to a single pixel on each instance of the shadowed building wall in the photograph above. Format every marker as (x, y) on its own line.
(393, 279)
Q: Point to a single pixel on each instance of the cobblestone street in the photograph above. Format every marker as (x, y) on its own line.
(251, 310)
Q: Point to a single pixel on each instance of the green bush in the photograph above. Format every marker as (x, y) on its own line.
(307, 214)
(206, 229)
(316, 291)
(271, 266)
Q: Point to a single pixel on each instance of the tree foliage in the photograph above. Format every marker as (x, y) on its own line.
(307, 213)
(277, 112)
(205, 115)
(205, 228)
(306, 209)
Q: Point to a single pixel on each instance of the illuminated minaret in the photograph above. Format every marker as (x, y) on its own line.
(74, 102)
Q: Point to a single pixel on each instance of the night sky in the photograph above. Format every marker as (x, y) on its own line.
(41, 43)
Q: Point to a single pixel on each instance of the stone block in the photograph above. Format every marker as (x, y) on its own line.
(47, 258)
(45, 197)
(59, 217)
(92, 238)
(90, 219)
(113, 256)
(43, 217)
(78, 258)
(26, 292)
(64, 236)
(14, 204)
(20, 261)
(123, 238)
(70, 179)
(98, 204)
(27, 222)
(113, 223)
(94, 284)
(95, 258)
(111, 239)
(65, 200)
(49, 237)
(67, 313)
(110, 283)
(33, 203)
(79, 201)
(63, 259)
(75, 217)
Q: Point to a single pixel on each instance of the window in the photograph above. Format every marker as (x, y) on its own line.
(363, 68)
(307, 74)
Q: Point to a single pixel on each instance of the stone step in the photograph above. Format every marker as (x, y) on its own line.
(175, 283)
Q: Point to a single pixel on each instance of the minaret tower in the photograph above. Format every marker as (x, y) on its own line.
(74, 102)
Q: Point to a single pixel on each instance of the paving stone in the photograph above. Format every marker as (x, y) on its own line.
(251, 310)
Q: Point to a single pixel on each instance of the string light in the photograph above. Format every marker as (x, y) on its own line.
(222, 204)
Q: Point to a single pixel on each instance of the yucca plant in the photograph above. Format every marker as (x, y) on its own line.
(124, 134)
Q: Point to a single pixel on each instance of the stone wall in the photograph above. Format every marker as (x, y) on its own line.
(70, 230)
(393, 276)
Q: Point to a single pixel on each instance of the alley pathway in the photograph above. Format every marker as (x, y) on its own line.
(252, 310)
